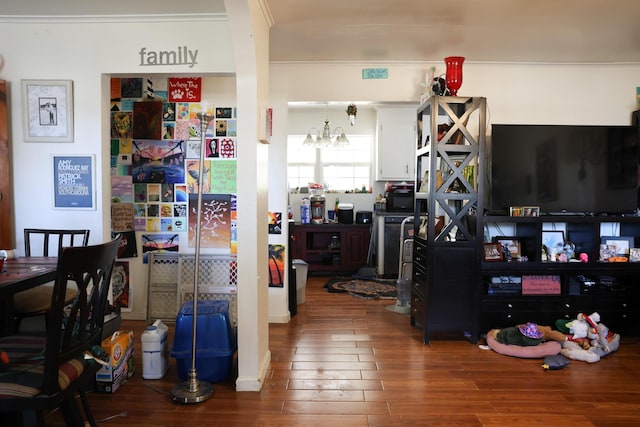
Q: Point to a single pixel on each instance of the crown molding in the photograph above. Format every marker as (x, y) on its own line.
(83, 19)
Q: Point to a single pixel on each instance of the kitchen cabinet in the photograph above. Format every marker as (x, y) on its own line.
(396, 130)
(332, 248)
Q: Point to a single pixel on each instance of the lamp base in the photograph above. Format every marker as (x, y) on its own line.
(192, 391)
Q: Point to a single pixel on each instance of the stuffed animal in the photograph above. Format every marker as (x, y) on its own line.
(574, 350)
(590, 346)
(607, 341)
(584, 326)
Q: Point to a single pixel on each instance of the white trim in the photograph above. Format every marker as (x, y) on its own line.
(255, 384)
(281, 318)
(80, 19)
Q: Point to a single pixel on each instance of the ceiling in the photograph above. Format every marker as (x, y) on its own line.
(544, 31)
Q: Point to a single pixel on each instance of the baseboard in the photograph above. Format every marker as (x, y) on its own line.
(255, 384)
(283, 318)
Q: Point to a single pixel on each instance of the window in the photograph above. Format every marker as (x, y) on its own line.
(340, 169)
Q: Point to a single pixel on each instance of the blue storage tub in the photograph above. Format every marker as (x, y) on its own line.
(215, 343)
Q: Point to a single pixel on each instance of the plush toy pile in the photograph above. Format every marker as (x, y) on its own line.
(588, 340)
(584, 339)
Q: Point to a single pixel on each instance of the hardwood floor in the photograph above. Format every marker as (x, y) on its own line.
(344, 361)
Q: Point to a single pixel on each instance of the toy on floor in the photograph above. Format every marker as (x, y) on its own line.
(589, 340)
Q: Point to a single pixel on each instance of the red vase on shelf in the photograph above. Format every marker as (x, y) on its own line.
(454, 73)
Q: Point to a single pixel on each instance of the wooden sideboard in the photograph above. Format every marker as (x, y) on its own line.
(331, 248)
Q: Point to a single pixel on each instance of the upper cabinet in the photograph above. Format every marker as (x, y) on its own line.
(395, 143)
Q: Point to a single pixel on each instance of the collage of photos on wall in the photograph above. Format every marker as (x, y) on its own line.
(156, 137)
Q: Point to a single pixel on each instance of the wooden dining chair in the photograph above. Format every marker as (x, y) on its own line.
(44, 242)
(48, 371)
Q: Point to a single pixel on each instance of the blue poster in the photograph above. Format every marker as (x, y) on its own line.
(73, 182)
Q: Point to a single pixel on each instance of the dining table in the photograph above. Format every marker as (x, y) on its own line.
(17, 275)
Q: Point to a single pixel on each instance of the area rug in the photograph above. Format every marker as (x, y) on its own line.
(361, 288)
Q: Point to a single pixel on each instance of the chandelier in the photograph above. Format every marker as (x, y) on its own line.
(324, 138)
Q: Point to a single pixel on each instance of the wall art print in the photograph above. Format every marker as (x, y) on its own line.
(74, 182)
(185, 89)
(47, 110)
(121, 296)
(215, 220)
(276, 266)
(275, 222)
(155, 152)
(161, 242)
(158, 161)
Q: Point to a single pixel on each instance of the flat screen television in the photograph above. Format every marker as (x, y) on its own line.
(564, 168)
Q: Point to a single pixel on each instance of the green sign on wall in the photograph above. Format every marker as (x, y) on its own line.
(375, 73)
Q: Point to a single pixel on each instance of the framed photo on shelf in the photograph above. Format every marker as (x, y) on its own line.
(634, 254)
(524, 211)
(620, 244)
(553, 239)
(492, 252)
(47, 110)
(512, 244)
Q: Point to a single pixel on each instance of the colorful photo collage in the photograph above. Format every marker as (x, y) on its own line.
(156, 137)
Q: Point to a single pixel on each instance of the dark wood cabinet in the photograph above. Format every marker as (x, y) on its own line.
(610, 288)
(6, 199)
(332, 248)
(449, 192)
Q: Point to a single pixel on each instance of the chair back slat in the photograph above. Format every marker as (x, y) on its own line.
(76, 327)
(61, 238)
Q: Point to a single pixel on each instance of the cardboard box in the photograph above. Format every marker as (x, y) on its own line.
(119, 347)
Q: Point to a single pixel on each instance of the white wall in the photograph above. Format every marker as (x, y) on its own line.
(88, 51)
(516, 93)
(55, 51)
(300, 119)
(250, 36)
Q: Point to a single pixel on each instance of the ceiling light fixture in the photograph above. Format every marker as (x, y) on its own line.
(324, 138)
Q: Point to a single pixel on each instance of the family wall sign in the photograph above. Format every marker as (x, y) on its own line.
(182, 55)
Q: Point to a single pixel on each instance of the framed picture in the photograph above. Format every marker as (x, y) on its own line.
(492, 252)
(512, 244)
(619, 244)
(553, 239)
(634, 254)
(47, 110)
(524, 211)
(74, 182)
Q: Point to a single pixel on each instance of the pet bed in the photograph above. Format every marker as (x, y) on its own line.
(547, 348)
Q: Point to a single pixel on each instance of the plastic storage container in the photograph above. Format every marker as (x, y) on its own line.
(215, 340)
(302, 269)
(155, 351)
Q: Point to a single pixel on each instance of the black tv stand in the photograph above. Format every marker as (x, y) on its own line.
(567, 213)
(616, 296)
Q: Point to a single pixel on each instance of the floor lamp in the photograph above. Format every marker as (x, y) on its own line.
(193, 390)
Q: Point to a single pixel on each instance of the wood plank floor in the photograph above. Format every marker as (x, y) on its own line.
(344, 361)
